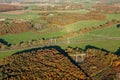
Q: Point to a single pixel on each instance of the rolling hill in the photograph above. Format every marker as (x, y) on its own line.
(39, 64)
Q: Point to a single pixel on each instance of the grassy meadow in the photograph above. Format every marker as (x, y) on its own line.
(110, 45)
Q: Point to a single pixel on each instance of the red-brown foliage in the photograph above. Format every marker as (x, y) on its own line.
(15, 27)
(40, 64)
(2, 46)
(99, 64)
(60, 7)
(7, 7)
(107, 8)
(69, 18)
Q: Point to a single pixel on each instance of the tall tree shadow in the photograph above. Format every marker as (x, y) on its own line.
(118, 25)
(48, 47)
(4, 42)
(118, 52)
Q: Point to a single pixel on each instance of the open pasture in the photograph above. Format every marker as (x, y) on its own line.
(68, 27)
(110, 32)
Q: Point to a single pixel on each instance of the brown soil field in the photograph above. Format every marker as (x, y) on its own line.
(10, 7)
(13, 12)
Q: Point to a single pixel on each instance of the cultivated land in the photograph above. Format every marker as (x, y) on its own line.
(64, 30)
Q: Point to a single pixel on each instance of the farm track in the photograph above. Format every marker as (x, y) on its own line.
(62, 43)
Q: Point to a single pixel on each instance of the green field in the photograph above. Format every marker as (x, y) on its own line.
(112, 16)
(13, 38)
(16, 38)
(112, 32)
(33, 16)
(6, 54)
(86, 36)
(110, 45)
(83, 24)
(81, 11)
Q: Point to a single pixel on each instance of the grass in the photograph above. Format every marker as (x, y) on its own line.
(27, 36)
(26, 16)
(113, 16)
(109, 45)
(83, 24)
(34, 16)
(81, 11)
(111, 31)
(86, 36)
(32, 6)
(6, 54)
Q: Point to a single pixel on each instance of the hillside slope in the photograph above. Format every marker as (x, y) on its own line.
(41, 64)
(15, 27)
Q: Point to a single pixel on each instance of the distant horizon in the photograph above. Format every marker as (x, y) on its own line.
(59, 1)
